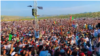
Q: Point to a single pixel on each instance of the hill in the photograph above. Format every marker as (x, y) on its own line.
(86, 14)
(13, 18)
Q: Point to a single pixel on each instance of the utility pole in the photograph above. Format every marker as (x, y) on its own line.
(34, 13)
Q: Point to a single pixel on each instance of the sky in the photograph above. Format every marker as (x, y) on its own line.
(19, 8)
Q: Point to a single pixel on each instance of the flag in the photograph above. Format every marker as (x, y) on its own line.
(40, 7)
(10, 37)
(71, 18)
(54, 22)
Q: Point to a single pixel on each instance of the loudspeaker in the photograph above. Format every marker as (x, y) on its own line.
(34, 12)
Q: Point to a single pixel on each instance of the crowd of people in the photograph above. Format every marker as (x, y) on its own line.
(54, 37)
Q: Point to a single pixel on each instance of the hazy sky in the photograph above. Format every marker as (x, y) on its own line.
(19, 8)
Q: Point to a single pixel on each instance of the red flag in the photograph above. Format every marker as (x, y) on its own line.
(70, 18)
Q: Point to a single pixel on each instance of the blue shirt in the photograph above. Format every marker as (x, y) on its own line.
(95, 33)
(90, 27)
(44, 53)
(77, 38)
(36, 34)
(73, 25)
(98, 30)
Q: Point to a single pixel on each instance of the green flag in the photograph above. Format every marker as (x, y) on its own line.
(72, 18)
(54, 22)
(10, 37)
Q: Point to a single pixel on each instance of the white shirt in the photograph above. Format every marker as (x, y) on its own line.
(87, 39)
(5, 46)
(72, 42)
(76, 25)
(9, 46)
(13, 53)
(21, 45)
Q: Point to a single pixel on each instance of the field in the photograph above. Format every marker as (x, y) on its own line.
(14, 18)
(17, 18)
